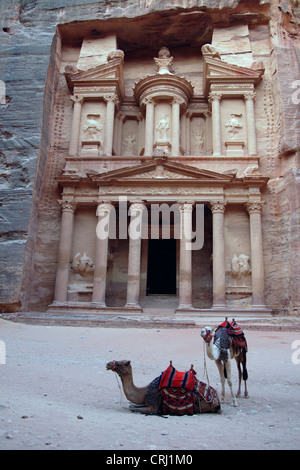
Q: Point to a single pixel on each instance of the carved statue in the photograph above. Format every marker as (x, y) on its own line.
(240, 266)
(130, 145)
(209, 49)
(198, 138)
(163, 129)
(233, 125)
(82, 265)
(92, 129)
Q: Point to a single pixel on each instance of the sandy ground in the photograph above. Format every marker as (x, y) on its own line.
(55, 392)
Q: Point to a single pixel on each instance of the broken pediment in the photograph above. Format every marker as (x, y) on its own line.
(216, 71)
(160, 170)
(101, 75)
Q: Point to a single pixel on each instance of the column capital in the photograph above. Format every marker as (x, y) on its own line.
(104, 208)
(249, 95)
(186, 206)
(215, 96)
(218, 206)
(67, 205)
(254, 207)
(136, 206)
(177, 100)
(121, 116)
(77, 99)
(111, 98)
(148, 100)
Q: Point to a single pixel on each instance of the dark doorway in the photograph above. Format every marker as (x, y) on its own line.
(161, 272)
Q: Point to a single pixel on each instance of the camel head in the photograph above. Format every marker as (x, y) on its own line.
(120, 367)
(207, 333)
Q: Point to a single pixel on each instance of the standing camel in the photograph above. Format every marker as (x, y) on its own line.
(221, 347)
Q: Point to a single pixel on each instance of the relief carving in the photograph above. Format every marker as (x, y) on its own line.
(233, 125)
(92, 130)
(82, 265)
(163, 129)
(130, 145)
(240, 266)
(198, 141)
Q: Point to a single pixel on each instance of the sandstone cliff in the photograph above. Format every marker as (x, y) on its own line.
(29, 71)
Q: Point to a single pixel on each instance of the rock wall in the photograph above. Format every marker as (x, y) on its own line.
(30, 61)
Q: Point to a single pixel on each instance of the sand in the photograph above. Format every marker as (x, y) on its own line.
(55, 392)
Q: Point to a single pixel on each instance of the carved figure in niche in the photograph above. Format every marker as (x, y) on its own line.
(240, 266)
(82, 265)
(198, 138)
(163, 129)
(233, 125)
(93, 129)
(130, 148)
(163, 61)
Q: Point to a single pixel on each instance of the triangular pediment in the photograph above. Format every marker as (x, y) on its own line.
(159, 170)
(112, 70)
(218, 71)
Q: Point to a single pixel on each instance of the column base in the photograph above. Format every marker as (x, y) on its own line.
(133, 306)
(95, 304)
(184, 307)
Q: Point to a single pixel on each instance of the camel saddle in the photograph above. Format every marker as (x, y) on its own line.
(234, 332)
(180, 390)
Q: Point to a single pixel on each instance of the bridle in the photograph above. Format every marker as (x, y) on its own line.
(208, 336)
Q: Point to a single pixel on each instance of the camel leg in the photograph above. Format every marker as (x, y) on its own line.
(238, 363)
(245, 372)
(228, 371)
(222, 378)
(146, 410)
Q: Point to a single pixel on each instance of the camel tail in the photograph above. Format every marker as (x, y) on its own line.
(245, 372)
(225, 371)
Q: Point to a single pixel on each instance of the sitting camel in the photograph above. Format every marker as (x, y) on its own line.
(150, 399)
(221, 347)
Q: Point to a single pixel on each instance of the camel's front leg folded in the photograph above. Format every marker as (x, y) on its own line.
(144, 409)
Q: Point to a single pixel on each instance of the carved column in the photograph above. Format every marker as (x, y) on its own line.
(134, 256)
(119, 133)
(75, 129)
(249, 99)
(64, 250)
(185, 262)
(149, 127)
(175, 127)
(188, 133)
(218, 209)
(257, 264)
(141, 122)
(215, 98)
(100, 270)
(109, 127)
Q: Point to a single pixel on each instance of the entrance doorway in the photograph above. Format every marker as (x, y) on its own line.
(161, 271)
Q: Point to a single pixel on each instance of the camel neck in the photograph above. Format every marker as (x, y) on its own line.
(134, 394)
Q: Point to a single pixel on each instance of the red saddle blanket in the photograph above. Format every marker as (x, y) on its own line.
(236, 333)
(171, 378)
(181, 390)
